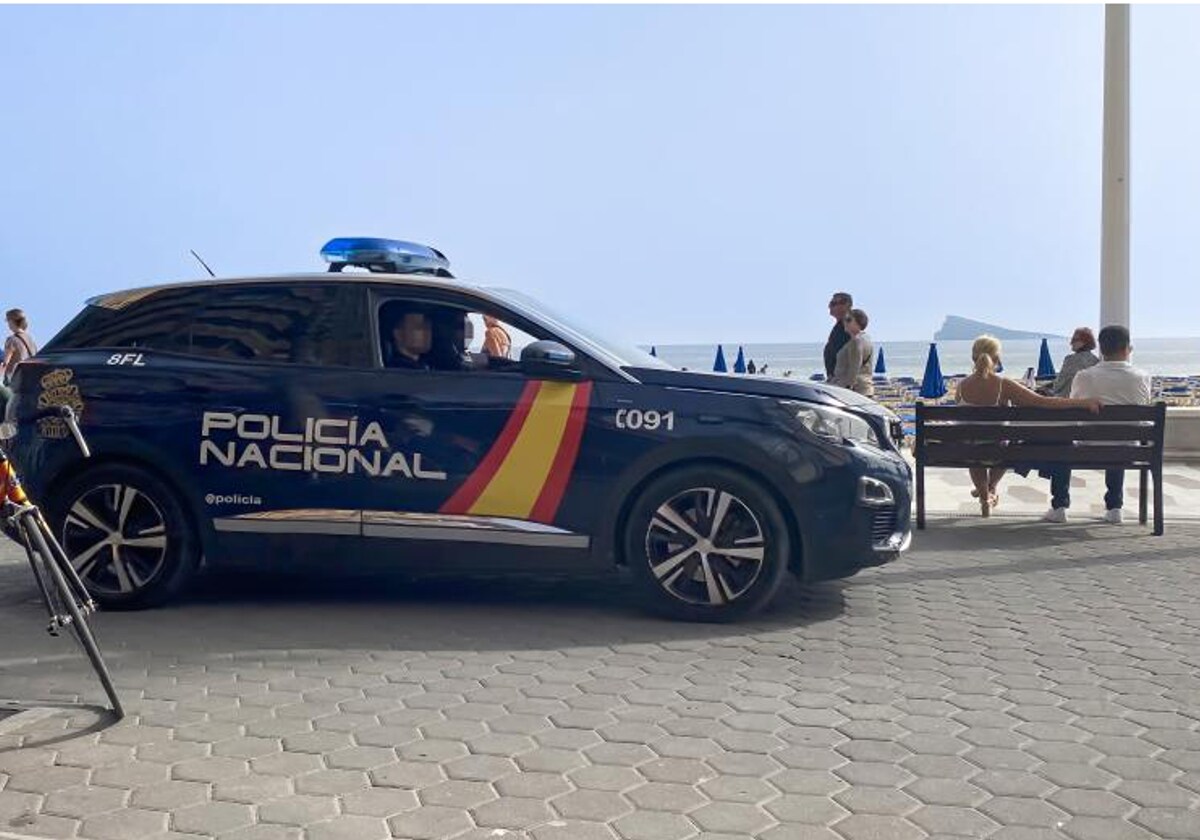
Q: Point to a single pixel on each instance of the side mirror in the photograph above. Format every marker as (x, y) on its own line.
(549, 360)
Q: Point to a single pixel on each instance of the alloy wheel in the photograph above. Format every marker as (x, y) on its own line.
(116, 538)
(705, 546)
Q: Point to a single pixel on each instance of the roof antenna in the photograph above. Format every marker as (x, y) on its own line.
(202, 262)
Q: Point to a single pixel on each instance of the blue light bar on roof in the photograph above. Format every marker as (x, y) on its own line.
(388, 255)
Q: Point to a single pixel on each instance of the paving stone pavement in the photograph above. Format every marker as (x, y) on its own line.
(1004, 680)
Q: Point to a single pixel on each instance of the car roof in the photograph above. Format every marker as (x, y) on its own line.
(125, 297)
(121, 299)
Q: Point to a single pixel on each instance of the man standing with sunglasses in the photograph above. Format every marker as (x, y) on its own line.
(839, 307)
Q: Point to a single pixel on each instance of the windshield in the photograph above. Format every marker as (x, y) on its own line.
(618, 353)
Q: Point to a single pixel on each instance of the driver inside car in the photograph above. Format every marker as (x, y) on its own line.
(411, 338)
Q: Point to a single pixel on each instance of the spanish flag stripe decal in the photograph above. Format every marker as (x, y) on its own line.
(477, 481)
(515, 487)
(564, 460)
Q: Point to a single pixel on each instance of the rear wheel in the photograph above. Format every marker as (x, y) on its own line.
(127, 535)
(706, 543)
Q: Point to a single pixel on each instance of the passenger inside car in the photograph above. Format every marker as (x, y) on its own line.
(497, 343)
(448, 348)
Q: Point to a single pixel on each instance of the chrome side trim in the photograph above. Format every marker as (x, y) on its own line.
(476, 535)
(294, 521)
(385, 524)
(272, 526)
(457, 528)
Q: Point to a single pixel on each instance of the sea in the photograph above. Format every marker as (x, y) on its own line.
(1156, 356)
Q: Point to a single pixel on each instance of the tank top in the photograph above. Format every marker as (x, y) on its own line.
(22, 345)
(995, 400)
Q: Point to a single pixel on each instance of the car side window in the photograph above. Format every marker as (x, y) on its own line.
(159, 322)
(493, 337)
(306, 324)
(424, 335)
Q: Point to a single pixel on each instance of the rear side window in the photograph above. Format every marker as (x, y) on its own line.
(307, 324)
(158, 323)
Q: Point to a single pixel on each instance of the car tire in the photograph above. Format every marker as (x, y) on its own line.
(156, 552)
(706, 543)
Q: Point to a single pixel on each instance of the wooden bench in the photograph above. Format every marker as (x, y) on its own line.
(1119, 437)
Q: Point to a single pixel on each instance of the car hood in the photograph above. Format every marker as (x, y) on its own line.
(759, 386)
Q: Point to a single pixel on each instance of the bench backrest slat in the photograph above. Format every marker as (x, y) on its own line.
(1100, 456)
(1042, 433)
(956, 413)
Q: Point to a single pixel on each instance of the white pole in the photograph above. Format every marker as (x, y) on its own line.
(1114, 210)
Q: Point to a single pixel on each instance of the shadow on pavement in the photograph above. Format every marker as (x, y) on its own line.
(974, 533)
(75, 720)
(983, 549)
(228, 612)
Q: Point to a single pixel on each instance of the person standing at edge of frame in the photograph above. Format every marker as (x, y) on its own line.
(17, 348)
(839, 307)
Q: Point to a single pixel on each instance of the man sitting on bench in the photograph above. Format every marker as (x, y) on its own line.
(1113, 381)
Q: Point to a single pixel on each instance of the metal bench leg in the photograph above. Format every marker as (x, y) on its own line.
(1158, 503)
(1143, 487)
(920, 497)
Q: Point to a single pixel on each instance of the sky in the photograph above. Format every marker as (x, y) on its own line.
(670, 174)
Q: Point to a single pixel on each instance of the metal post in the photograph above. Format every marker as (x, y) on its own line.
(1114, 211)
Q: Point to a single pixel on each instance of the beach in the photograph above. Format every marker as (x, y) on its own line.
(1173, 363)
(1162, 357)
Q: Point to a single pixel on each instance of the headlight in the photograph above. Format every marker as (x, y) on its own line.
(833, 424)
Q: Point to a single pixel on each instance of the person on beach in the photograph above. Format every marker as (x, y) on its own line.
(1114, 381)
(983, 386)
(855, 361)
(839, 307)
(1081, 358)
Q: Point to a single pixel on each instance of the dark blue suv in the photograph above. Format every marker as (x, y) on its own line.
(416, 421)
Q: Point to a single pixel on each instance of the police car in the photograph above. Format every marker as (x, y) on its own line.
(399, 416)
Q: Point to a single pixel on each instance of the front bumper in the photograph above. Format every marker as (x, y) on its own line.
(861, 517)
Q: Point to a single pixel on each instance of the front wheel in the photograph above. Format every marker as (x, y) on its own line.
(706, 543)
(127, 535)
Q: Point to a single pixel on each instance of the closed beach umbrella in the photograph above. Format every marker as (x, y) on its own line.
(653, 352)
(880, 365)
(933, 385)
(719, 363)
(739, 364)
(1045, 363)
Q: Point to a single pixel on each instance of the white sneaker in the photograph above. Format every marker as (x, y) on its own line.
(1114, 516)
(1055, 515)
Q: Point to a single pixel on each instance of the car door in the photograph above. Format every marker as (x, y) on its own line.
(480, 454)
(279, 439)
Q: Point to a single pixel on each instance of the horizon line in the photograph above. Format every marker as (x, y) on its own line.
(899, 340)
